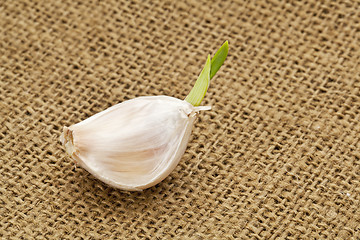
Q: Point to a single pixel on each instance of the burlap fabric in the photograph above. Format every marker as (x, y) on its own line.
(276, 158)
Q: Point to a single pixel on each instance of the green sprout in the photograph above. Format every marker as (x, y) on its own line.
(198, 92)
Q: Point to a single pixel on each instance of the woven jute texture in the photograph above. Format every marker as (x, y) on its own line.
(277, 157)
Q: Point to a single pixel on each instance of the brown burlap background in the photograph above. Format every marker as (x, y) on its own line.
(277, 157)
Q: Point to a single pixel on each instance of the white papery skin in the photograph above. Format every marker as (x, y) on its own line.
(135, 144)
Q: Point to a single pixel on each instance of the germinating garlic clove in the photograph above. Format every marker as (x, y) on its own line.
(137, 143)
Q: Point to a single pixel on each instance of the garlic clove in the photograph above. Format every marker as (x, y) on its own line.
(135, 144)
